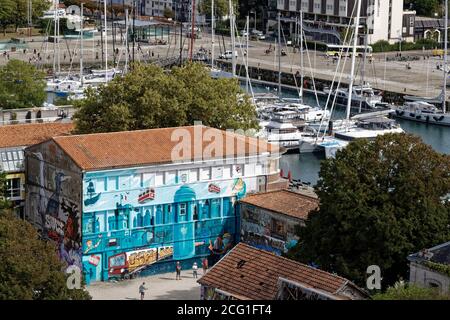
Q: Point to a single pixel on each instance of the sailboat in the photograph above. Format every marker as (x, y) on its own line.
(363, 126)
(424, 110)
(287, 117)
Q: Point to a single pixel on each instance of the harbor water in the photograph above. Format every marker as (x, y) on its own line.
(306, 167)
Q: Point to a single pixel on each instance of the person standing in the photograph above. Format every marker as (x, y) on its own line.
(205, 265)
(194, 269)
(142, 289)
(178, 270)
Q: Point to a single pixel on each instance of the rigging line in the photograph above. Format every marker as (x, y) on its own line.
(335, 75)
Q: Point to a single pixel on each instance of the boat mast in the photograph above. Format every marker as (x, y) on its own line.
(106, 44)
(81, 45)
(444, 99)
(279, 54)
(233, 41)
(246, 56)
(54, 39)
(127, 49)
(301, 56)
(352, 72)
(193, 34)
(212, 33)
(363, 71)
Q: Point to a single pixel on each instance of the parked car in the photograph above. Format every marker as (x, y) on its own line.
(228, 55)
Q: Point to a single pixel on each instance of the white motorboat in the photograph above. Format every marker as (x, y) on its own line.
(421, 111)
(362, 96)
(369, 128)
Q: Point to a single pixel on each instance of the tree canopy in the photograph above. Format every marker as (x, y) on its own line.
(149, 97)
(30, 268)
(379, 202)
(21, 85)
(401, 291)
(15, 12)
(221, 8)
(424, 7)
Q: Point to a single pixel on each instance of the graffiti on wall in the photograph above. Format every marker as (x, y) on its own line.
(59, 215)
(266, 232)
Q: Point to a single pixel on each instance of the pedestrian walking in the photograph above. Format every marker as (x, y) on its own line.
(194, 270)
(205, 265)
(142, 289)
(178, 270)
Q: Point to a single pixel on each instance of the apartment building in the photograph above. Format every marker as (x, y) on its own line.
(324, 20)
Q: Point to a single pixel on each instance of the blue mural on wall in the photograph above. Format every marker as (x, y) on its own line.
(125, 217)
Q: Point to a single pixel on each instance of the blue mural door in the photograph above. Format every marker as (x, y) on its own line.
(184, 233)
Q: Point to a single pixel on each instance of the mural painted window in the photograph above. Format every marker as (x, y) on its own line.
(183, 176)
(259, 169)
(183, 209)
(171, 177)
(100, 185)
(159, 214)
(249, 169)
(227, 207)
(112, 183)
(193, 175)
(226, 172)
(124, 182)
(215, 208)
(237, 170)
(88, 223)
(205, 174)
(159, 179)
(148, 179)
(217, 173)
(195, 216)
(205, 210)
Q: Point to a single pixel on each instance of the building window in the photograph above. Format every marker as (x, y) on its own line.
(13, 188)
(278, 228)
(182, 209)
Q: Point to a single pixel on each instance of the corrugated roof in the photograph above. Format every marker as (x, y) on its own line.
(283, 201)
(252, 273)
(22, 135)
(153, 146)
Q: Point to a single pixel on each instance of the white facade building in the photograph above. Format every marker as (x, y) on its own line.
(384, 19)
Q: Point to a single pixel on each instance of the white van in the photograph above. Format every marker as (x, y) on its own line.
(228, 55)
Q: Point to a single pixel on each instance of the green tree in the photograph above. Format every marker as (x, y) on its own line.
(148, 97)
(424, 7)
(30, 268)
(168, 13)
(19, 15)
(21, 85)
(401, 291)
(4, 203)
(6, 13)
(379, 202)
(221, 8)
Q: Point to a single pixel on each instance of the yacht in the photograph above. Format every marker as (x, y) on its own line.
(369, 128)
(282, 128)
(364, 96)
(421, 111)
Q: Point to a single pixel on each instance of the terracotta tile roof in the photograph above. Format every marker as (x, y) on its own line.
(153, 146)
(247, 272)
(285, 202)
(22, 135)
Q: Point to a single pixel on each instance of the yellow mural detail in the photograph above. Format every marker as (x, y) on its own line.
(141, 258)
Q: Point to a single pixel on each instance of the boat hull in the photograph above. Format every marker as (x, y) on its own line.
(433, 118)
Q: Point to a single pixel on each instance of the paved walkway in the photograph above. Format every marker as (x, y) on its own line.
(160, 287)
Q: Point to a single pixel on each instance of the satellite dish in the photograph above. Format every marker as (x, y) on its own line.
(73, 10)
(73, 18)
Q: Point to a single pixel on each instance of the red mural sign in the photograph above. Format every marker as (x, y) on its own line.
(149, 194)
(213, 188)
